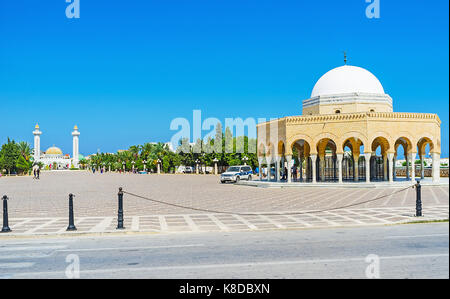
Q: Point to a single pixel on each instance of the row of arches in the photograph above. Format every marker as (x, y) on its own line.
(351, 159)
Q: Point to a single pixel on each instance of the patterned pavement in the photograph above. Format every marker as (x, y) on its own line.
(41, 207)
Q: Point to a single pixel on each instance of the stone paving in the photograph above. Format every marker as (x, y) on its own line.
(41, 206)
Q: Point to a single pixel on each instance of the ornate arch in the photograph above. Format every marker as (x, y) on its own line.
(422, 143)
(353, 134)
(325, 135)
(389, 144)
(404, 141)
(297, 137)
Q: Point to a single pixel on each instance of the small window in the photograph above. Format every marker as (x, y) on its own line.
(338, 111)
(372, 110)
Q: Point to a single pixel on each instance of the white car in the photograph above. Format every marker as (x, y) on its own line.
(236, 173)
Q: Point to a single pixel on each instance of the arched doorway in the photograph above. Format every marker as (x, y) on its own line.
(302, 170)
(326, 163)
(353, 162)
(403, 147)
(379, 166)
(425, 146)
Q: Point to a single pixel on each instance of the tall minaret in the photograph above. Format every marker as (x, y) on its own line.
(75, 135)
(37, 143)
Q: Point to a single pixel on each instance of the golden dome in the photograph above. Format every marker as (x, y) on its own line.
(75, 128)
(37, 127)
(53, 151)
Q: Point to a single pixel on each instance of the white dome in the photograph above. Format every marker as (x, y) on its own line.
(347, 79)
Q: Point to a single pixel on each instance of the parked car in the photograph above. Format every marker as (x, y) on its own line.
(188, 169)
(236, 173)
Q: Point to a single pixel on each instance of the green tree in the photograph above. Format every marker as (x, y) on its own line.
(9, 154)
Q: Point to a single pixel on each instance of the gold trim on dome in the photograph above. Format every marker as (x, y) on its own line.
(53, 151)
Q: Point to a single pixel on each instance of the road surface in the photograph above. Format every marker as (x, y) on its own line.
(404, 251)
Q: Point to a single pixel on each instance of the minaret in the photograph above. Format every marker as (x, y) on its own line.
(37, 143)
(75, 135)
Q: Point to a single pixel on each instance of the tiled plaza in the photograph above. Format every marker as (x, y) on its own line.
(41, 206)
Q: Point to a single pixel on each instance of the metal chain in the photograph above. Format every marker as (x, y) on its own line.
(266, 214)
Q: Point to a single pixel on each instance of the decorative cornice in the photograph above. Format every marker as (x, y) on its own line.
(354, 97)
(360, 116)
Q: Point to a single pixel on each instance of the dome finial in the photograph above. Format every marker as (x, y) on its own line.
(345, 58)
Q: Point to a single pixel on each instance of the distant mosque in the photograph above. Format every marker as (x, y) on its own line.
(53, 157)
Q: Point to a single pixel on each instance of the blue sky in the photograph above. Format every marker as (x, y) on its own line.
(125, 69)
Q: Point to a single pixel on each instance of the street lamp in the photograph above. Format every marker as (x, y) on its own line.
(203, 158)
(132, 166)
(215, 165)
(123, 164)
(196, 167)
(158, 166)
(245, 159)
(145, 162)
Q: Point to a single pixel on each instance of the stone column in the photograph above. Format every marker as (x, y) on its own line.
(394, 174)
(385, 167)
(407, 166)
(413, 166)
(277, 168)
(436, 167)
(422, 170)
(300, 169)
(289, 173)
(313, 163)
(355, 166)
(339, 161)
(260, 160)
(367, 157)
(390, 157)
(322, 167)
(269, 162)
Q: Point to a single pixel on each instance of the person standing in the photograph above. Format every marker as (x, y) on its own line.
(38, 170)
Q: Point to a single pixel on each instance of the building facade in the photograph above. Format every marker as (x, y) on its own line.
(348, 132)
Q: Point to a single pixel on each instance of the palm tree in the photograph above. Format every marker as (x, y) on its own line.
(83, 163)
(25, 149)
(23, 164)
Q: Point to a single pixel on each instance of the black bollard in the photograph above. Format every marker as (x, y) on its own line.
(120, 212)
(71, 221)
(5, 227)
(418, 199)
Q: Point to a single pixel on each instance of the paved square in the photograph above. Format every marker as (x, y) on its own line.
(41, 206)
